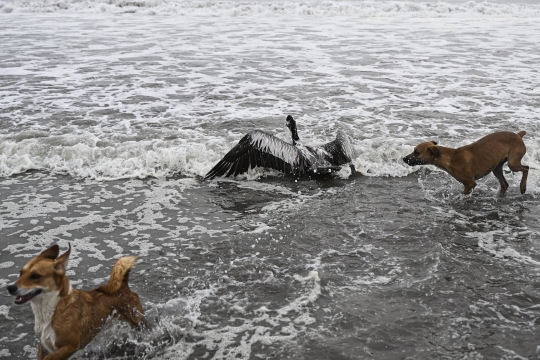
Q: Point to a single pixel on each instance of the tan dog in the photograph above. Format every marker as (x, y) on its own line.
(472, 162)
(67, 319)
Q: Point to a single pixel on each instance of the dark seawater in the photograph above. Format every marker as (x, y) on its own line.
(108, 123)
(224, 270)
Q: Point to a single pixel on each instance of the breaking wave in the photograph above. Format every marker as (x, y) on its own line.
(87, 157)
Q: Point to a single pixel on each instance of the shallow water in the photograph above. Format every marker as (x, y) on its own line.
(403, 272)
(108, 123)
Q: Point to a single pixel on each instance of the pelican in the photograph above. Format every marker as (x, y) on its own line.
(260, 149)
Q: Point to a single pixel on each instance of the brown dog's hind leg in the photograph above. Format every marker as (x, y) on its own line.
(133, 312)
(137, 319)
(514, 163)
(498, 172)
(523, 184)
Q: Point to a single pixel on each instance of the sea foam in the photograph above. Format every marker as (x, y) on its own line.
(277, 8)
(86, 159)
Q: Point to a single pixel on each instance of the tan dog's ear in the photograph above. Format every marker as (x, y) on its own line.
(60, 264)
(50, 253)
(435, 151)
(434, 142)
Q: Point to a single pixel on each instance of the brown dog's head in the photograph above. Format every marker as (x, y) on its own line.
(424, 154)
(43, 274)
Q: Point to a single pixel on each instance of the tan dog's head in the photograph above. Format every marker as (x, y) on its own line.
(43, 274)
(423, 154)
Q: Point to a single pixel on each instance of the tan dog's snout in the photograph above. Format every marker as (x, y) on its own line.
(12, 289)
(23, 295)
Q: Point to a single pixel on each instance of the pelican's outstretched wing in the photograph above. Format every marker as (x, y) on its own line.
(341, 149)
(258, 148)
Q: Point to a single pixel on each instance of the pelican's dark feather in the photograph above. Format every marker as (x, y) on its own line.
(258, 148)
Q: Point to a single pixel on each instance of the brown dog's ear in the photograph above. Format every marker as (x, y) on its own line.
(434, 142)
(61, 263)
(435, 151)
(50, 253)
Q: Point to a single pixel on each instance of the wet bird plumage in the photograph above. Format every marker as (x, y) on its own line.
(260, 149)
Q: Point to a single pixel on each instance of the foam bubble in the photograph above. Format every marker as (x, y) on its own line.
(4, 311)
(6, 264)
(498, 247)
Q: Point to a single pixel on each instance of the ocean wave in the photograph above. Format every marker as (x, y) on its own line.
(359, 9)
(86, 156)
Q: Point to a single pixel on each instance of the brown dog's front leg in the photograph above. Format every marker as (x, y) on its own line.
(41, 352)
(62, 354)
(469, 185)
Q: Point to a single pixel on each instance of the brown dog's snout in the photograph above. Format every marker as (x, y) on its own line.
(412, 161)
(12, 289)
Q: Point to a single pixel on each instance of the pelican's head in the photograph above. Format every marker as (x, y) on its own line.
(291, 124)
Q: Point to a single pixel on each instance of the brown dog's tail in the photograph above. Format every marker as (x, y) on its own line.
(522, 133)
(119, 275)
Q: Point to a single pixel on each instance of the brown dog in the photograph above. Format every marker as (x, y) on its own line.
(67, 319)
(472, 162)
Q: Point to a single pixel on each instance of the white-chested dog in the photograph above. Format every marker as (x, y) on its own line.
(67, 319)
